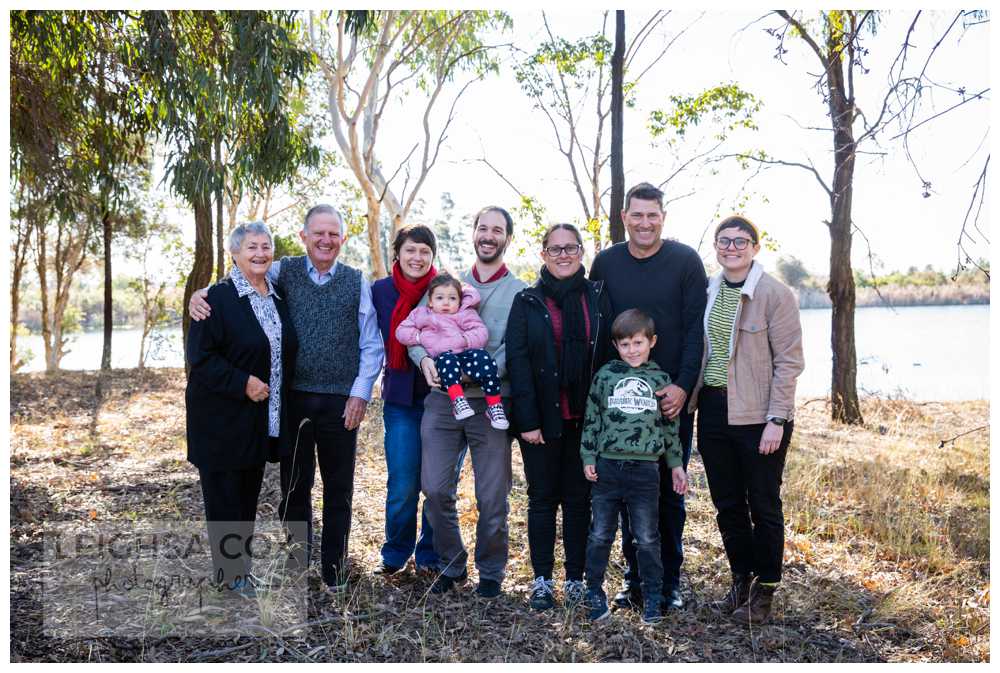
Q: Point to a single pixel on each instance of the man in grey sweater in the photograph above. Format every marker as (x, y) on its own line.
(444, 438)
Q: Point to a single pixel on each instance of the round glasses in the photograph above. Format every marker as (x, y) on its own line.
(723, 242)
(569, 250)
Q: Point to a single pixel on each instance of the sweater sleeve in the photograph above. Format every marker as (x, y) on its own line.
(418, 352)
(205, 347)
(693, 300)
(593, 421)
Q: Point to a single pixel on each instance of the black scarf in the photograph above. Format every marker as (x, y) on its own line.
(567, 293)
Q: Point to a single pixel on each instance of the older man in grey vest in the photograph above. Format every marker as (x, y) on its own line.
(338, 363)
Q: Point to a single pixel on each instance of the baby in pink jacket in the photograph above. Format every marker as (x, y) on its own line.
(454, 335)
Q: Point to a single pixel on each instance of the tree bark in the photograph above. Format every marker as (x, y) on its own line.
(18, 262)
(616, 226)
(108, 306)
(846, 407)
(201, 271)
(220, 257)
(374, 239)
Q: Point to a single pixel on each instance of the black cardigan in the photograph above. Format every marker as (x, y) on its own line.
(226, 430)
(531, 357)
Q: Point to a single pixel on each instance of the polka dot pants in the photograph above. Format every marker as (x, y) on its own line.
(477, 363)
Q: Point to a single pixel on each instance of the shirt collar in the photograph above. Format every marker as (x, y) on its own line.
(243, 286)
(310, 268)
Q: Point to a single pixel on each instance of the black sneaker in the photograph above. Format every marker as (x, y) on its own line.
(651, 613)
(541, 594)
(597, 603)
(443, 584)
(672, 598)
(629, 598)
(385, 569)
(488, 588)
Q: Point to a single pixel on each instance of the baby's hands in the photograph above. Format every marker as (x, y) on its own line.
(680, 480)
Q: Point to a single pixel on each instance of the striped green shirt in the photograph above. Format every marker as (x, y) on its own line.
(720, 330)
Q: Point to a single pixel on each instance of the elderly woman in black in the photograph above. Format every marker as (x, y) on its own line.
(241, 361)
(557, 336)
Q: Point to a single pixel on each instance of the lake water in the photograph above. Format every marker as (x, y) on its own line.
(920, 352)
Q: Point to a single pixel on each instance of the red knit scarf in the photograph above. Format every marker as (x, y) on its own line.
(410, 292)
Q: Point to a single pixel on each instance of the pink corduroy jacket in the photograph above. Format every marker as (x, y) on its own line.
(440, 332)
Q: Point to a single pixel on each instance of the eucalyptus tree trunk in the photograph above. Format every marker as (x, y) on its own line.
(108, 306)
(201, 271)
(844, 384)
(616, 226)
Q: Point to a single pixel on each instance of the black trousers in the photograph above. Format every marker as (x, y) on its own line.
(230, 510)
(745, 488)
(323, 436)
(672, 517)
(554, 472)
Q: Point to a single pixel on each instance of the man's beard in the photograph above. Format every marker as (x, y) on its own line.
(500, 250)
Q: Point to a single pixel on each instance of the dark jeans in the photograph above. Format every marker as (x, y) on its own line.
(745, 488)
(335, 446)
(673, 515)
(230, 510)
(554, 472)
(634, 484)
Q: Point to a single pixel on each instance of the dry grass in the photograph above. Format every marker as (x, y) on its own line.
(887, 548)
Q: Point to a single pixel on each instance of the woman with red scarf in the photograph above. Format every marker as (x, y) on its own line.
(403, 392)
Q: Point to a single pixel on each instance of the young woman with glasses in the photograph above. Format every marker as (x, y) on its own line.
(558, 335)
(745, 398)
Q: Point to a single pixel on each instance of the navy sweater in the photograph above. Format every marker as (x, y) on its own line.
(671, 287)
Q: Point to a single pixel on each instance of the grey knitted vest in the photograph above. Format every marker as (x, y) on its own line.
(326, 322)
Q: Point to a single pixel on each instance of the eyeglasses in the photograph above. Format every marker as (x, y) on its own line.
(739, 243)
(557, 250)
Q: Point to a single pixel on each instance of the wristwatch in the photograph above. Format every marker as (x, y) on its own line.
(777, 421)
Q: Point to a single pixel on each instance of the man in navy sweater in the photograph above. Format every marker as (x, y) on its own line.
(666, 279)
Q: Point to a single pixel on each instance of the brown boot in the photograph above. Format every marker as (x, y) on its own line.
(737, 595)
(757, 609)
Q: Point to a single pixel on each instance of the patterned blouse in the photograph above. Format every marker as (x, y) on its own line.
(267, 315)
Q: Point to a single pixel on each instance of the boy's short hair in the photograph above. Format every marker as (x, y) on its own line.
(632, 322)
(441, 279)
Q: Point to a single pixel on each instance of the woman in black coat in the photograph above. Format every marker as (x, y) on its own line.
(241, 358)
(558, 335)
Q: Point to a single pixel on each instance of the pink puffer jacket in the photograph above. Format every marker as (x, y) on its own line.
(440, 332)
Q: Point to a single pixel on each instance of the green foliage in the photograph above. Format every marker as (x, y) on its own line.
(530, 215)
(287, 245)
(727, 106)
(227, 77)
(448, 42)
(579, 62)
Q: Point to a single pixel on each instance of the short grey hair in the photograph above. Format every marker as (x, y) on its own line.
(323, 209)
(237, 235)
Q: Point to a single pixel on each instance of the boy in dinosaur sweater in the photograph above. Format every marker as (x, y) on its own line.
(624, 435)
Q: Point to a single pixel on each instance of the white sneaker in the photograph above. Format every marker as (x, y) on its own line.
(497, 416)
(460, 407)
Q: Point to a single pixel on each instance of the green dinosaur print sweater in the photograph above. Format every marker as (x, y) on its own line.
(623, 419)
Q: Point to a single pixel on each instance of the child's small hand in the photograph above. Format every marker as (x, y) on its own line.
(590, 472)
(680, 480)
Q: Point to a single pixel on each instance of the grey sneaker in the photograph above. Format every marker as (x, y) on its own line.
(460, 407)
(597, 602)
(574, 592)
(541, 594)
(497, 416)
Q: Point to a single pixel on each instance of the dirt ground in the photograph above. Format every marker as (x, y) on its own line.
(887, 558)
